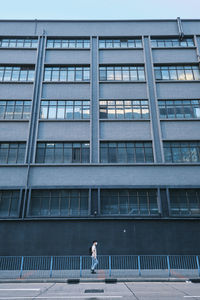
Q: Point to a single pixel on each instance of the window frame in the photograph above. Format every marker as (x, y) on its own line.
(8, 151)
(174, 41)
(49, 151)
(70, 72)
(126, 73)
(138, 148)
(105, 104)
(179, 105)
(61, 41)
(180, 212)
(59, 193)
(15, 40)
(67, 106)
(162, 72)
(112, 41)
(15, 104)
(9, 216)
(129, 191)
(176, 150)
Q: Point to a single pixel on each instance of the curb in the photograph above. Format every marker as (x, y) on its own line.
(106, 280)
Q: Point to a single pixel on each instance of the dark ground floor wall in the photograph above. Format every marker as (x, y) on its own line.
(73, 237)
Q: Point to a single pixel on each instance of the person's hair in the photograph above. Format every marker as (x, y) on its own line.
(94, 241)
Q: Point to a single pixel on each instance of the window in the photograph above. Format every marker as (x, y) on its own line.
(126, 152)
(162, 43)
(177, 73)
(68, 43)
(9, 203)
(182, 152)
(25, 74)
(179, 109)
(65, 74)
(120, 43)
(129, 202)
(185, 202)
(59, 203)
(12, 153)
(124, 109)
(18, 43)
(15, 110)
(65, 110)
(122, 73)
(54, 152)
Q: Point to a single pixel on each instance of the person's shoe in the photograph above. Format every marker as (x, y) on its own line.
(93, 272)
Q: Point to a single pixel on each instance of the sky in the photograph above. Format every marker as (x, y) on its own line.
(99, 9)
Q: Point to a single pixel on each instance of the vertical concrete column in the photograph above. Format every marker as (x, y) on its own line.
(33, 123)
(36, 100)
(154, 112)
(197, 44)
(94, 102)
(164, 202)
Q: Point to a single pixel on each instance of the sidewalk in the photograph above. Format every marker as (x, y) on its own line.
(100, 276)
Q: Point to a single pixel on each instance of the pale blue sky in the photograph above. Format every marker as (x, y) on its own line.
(99, 9)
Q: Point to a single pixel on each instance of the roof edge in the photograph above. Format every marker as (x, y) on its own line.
(97, 20)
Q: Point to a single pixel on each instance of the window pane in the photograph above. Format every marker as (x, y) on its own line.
(52, 112)
(139, 154)
(23, 75)
(47, 75)
(67, 155)
(71, 74)
(49, 154)
(78, 76)
(61, 112)
(112, 155)
(5, 201)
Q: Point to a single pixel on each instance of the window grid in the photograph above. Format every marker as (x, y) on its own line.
(126, 152)
(122, 73)
(120, 43)
(57, 152)
(9, 203)
(160, 43)
(68, 43)
(177, 73)
(24, 74)
(129, 202)
(65, 109)
(15, 110)
(124, 109)
(182, 152)
(183, 109)
(59, 203)
(185, 202)
(18, 43)
(65, 74)
(12, 153)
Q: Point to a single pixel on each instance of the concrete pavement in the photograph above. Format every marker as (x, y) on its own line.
(124, 291)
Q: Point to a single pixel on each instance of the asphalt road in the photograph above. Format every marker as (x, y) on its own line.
(131, 290)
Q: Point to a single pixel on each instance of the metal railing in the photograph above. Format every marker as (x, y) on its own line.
(119, 266)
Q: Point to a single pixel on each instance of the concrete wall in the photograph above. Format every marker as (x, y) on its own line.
(74, 237)
(64, 131)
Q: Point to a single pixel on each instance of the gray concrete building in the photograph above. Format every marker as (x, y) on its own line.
(99, 136)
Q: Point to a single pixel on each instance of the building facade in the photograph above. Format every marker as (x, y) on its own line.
(99, 137)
